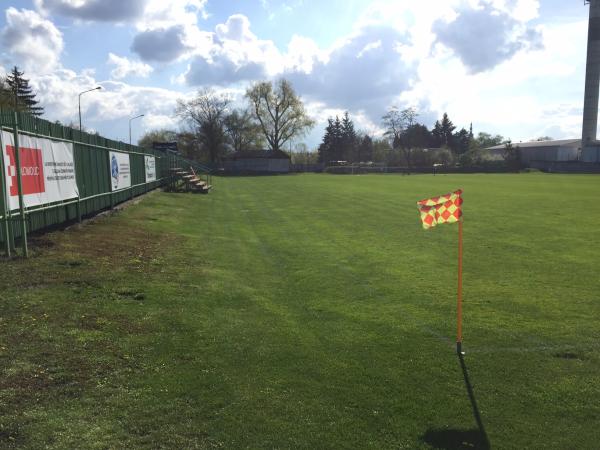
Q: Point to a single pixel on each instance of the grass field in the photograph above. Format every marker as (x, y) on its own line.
(311, 311)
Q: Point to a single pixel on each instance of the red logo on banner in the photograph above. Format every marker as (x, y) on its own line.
(32, 171)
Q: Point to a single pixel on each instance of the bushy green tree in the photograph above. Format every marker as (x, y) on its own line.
(152, 136)
(485, 140)
(243, 131)
(279, 111)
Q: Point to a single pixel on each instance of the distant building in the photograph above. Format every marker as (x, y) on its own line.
(258, 161)
(537, 151)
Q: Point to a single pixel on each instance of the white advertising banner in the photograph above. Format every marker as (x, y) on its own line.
(120, 171)
(150, 163)
(47, 170)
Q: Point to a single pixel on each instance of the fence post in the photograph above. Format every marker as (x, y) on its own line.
(5, 206)
(78, 206)
(20, 187)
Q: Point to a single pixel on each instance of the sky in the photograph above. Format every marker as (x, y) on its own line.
(509, 67)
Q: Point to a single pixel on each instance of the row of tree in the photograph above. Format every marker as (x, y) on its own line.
(405, 141)
(273, 116)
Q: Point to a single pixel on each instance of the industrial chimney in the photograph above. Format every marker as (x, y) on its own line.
(592, 85)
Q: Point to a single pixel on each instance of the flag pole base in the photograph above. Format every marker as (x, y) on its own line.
(459, 348)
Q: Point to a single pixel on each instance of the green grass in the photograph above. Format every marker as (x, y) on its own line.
(310, 311)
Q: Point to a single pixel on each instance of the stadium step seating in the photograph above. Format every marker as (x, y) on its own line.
(189, 181)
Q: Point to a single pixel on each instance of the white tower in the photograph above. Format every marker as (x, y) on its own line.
(591, 150)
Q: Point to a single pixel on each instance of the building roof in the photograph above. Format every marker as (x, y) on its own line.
(259, 154)
(536, 144)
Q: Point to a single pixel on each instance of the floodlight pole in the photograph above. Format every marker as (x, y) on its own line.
(80, 94)
(136, 117)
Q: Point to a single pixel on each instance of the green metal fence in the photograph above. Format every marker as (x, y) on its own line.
(92, 172)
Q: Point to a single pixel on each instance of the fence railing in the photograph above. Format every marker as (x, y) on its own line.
(91, 157)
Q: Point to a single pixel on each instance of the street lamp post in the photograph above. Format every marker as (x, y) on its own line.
(136, 117)
(80, 94)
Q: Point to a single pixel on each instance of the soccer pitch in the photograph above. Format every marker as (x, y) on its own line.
(312, 311)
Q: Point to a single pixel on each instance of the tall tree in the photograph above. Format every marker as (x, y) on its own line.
(330, 148)
(365, 149)
(447, 128)
(404, 131)
(394, 124)
(279, 111)
(206, 116)
(23, 97)
(244, 133)
(460, 142)
(349, 139)
(437, 135)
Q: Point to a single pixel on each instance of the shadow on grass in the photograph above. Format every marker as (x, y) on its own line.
(453, 439)
(456, 439)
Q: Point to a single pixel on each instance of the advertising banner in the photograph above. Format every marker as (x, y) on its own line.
(47, 170)
(120, 171)
(150, 164)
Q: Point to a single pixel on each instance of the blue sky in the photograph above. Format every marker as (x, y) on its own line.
(513, 67)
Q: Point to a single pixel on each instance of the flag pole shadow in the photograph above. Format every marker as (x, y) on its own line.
(458, 439)
(483, 438)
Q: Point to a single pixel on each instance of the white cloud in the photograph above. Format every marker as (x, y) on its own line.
(154, 121)
(59, 91)
(483, 36)
(161, 45)
(508, 97)
(166, 13)
(390, 57)
(302, 54)
(236, 55)
(146, 14)
(31, 41)
(93, 10)
(363, 72)
(125, 67)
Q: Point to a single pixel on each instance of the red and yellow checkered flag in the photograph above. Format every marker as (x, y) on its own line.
(442, 209)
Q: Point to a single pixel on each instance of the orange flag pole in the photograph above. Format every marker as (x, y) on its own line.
(459, 300)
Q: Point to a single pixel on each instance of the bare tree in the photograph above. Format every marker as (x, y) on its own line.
(206, 115)
(279, 112)
(400, 127)
(394, 123)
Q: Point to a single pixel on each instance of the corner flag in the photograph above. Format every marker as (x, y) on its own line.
(442, 209)
(447, 209)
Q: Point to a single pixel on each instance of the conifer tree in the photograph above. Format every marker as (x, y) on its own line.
(447, 130)
(23, 98)
(349, 139)
(365, 149)
(461, 142)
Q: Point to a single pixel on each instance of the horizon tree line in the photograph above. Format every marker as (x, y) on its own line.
(274, 115)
